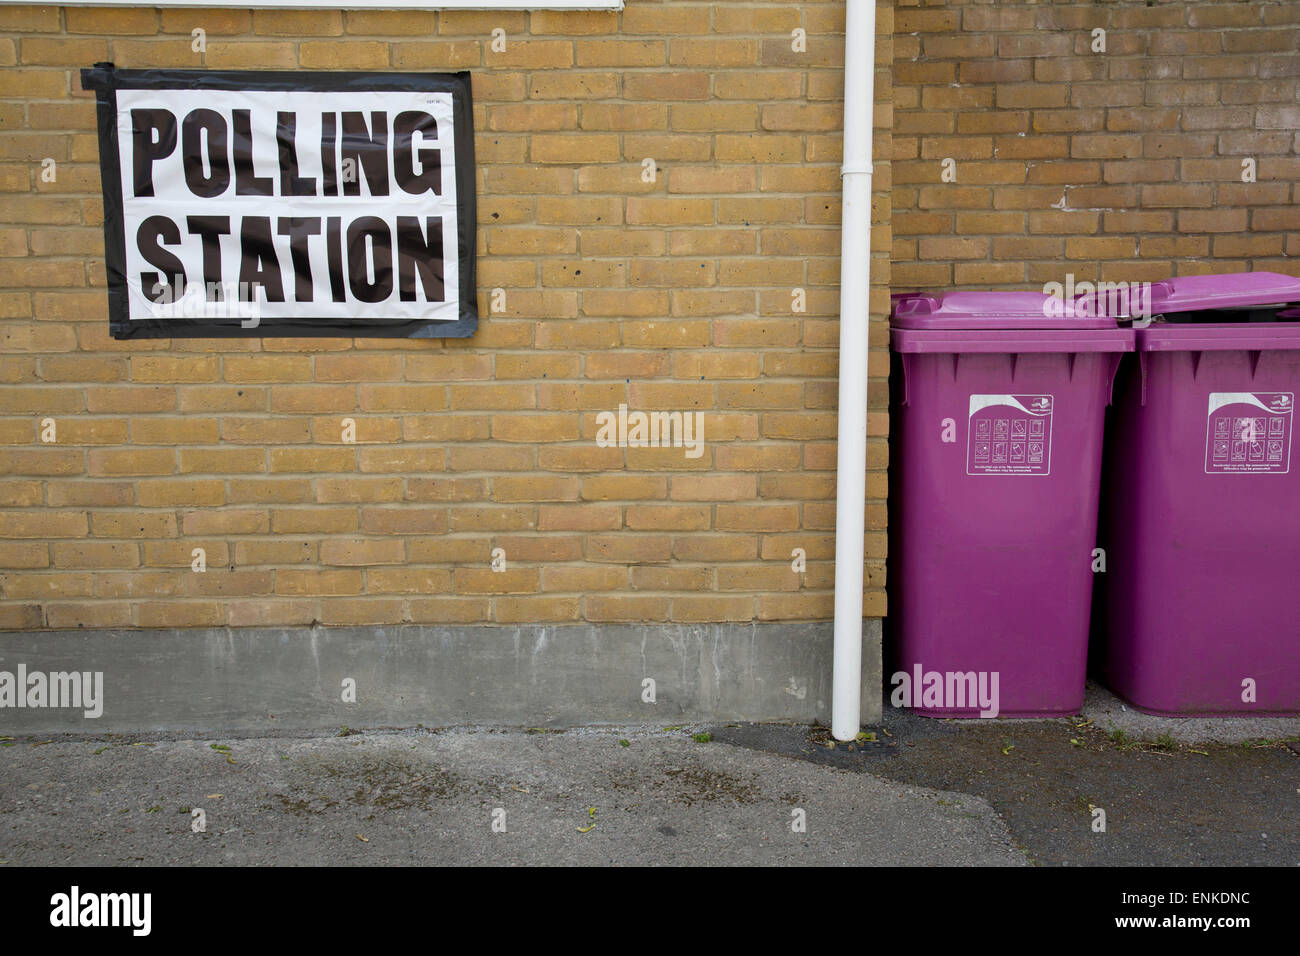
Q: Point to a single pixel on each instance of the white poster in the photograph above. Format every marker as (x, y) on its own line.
(287, 203)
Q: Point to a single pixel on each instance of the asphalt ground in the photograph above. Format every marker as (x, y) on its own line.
(1105, 787)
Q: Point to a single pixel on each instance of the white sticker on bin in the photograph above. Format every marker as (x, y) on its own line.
(1009, 435)
(1249, 433)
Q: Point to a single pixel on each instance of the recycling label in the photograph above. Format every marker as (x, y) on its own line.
(1249, 433)
(1009, 435)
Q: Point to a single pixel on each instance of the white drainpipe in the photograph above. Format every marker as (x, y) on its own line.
(855, 286)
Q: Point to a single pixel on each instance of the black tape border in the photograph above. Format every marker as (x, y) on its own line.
(105, 80)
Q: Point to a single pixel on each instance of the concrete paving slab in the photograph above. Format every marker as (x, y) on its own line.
(1114, 714)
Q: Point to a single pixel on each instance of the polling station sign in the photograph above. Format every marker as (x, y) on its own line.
(287, 203)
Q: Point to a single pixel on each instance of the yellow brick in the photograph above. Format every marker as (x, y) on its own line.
(632, 302)
(61, 51)
(260, 431)
(390, 22)
(166, 368)
(701, 51)
(623, 116)
(46, 84)
(251, 54)
(155, 53)
(270, 612)
(508, 488)
(620, 53)
(404, 520)
(487, 581)
(354, 552)
(275, 554)
(312, 459)
(570, 395)
(335, 55)
(174, 431)
(88, 614)
(266, 368)
(295, 23)
(317, 581)
(449, 550)
(448, 610)
(673, 273)
(491, 396)
(180, 614)
(534, 116)
(24, 554)
(483, 22)
(626, 609)
(667, 518)
(666, 19)
(112, 21)
(422, 581)
(212, 21)
(670, 212)
(513, 518)
(624, 487)
(759, 148)
(360, 611)
(628, 548)
(713, 179)
(270, 490)
(141, 461)
(536, 366)
(166, 492)
(314, 398)
(29, 19)
(134, 523)
(337, 490)
(573, 148)
(437, 55)
(226, 521)
(63, 116)
(401, 460)
(802, 607)
(306, 520)
(579, 211)
(545, 548)
(528, 610)
(757, 517)
(527, 54)
(95, 554)
(709, 608)
(682, 147)
(769, 19)
(583, 517)
(179, 554)
(572, 85)
(761, 85)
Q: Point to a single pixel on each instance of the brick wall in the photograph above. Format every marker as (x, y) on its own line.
(675, 294)
(1117, 165)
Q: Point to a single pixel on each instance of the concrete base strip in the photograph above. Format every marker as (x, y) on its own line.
(250, 679)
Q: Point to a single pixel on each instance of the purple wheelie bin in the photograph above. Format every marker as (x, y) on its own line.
(1197, 609)
(996, 460)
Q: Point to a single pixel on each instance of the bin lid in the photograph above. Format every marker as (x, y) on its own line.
(1011, 341)
(1219, 337)
(971, 311)
(1236, 290)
